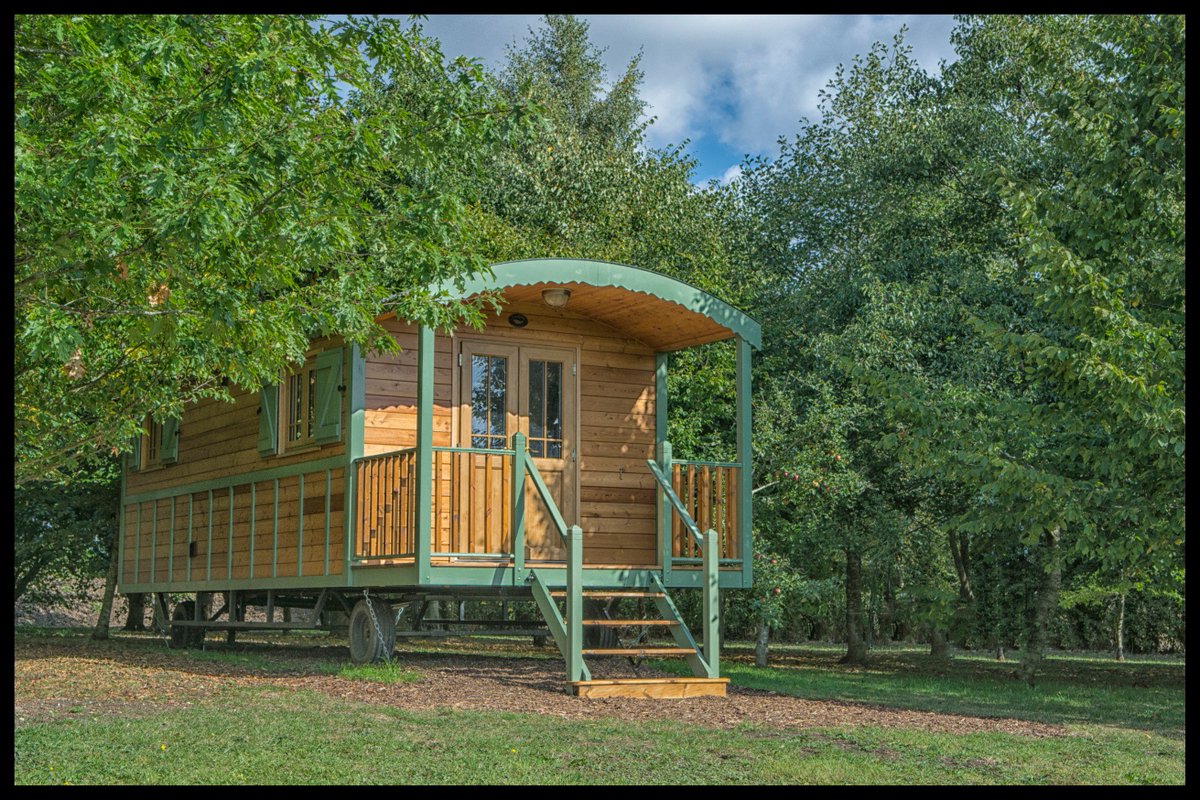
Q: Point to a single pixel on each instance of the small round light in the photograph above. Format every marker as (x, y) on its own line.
(518, 320)
(556, 298)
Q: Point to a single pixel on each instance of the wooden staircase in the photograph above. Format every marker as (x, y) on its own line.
(703, 684)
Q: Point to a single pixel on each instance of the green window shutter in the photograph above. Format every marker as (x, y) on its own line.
(328, 426)
(268, 427)
(169, 446)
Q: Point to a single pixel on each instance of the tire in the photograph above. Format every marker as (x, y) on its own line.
(185, 636)
(365, 646)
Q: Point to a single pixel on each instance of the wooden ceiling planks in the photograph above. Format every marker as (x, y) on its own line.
(657, 323)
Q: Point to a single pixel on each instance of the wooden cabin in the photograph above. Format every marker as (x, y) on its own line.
(525, 459)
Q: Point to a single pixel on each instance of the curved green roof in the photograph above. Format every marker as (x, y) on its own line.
(606, 273)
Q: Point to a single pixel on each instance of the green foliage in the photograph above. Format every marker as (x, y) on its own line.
(194, 200)
(62, 540)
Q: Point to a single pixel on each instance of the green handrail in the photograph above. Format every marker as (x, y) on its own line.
(665, 484)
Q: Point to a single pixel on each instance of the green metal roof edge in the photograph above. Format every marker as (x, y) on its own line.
(606, 273)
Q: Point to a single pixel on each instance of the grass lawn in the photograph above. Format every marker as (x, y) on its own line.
(1122, 723)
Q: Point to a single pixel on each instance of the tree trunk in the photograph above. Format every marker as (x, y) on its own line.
(1034, 648)
(760, 646)
(938, 646)
(856, 645)
(136, 619)
(962, 565)
(160, 619)
(1121, 627)
(110, 589)
(1000, 652)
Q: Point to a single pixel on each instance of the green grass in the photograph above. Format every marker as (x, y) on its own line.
(1144, 694)
(251, 736)
(378, 673)
(1125, 724)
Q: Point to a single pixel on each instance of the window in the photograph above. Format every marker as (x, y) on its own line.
(158, 446)
(301, 404)
(545, 409)
(489, 389)
(305, 408)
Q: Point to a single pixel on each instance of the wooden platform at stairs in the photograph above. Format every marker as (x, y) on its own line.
(651, 688)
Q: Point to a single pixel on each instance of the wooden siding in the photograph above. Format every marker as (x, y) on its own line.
(220, 441)
(615, 491)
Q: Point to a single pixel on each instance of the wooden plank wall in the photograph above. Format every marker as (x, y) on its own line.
(219, 440)
(616, 497)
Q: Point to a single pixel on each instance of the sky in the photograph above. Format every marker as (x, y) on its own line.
(729, 84)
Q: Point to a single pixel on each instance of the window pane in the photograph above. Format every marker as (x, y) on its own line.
(537, 399)
(497, 391)
(489, 428)
(535, 447)
(293, 406)
(479, 396)
(554, 400)
(312, 400)
(554, 449)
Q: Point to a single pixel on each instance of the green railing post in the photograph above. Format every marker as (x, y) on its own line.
(575, 604)
(745, 472)
(518, 507)
(665, 545)
(423, 524)
(712, 597)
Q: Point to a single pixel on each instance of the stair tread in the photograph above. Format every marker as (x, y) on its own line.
(635, 651)
(646, 681)
(617, 623)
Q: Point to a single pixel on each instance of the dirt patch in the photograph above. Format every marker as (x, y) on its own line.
(139, 675)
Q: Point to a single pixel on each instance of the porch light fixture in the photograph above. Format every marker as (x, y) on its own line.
(556, 298)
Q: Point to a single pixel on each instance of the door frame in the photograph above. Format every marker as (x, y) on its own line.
(460, 431)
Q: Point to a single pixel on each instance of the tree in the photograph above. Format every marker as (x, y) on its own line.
(194, 200)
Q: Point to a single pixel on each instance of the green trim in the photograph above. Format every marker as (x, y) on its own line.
(664, 483)
(555, 623)
(237, 480)
(355, 433)
(253, 505)
(137, 552)
(478, 451)
(422, 526)
(711, 605)
(300, 530)
(208, 552)
(275, 532)
(574, 603)
(662, 451)
(328, 489)
(153, 539)
(604, 273)
(744, 492)
(517, 515)
(664, 512)
(171, 547)
(229, 552)
(189, 557)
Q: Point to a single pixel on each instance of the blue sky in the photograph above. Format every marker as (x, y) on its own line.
(730, 84)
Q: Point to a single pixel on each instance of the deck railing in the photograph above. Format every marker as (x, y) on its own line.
(708, 491)
(385, 508)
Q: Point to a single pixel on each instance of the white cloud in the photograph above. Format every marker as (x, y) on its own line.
(744, 80)
(730, 175)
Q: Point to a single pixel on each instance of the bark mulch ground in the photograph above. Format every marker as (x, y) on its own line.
(56, 677)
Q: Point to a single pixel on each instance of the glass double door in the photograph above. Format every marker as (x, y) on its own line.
(505, 388)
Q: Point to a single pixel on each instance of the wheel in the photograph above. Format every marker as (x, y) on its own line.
(364, 639)
(183, 636)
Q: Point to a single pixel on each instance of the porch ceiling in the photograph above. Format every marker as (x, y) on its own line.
(664, 313)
